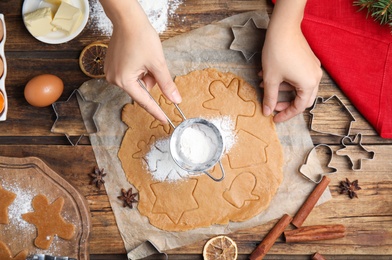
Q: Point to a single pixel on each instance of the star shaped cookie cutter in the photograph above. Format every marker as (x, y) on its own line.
(306, 169)
(248, 39)
(75, 117)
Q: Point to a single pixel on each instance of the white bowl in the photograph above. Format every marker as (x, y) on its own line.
(59, 36)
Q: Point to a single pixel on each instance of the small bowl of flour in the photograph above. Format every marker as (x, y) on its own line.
(196, 145)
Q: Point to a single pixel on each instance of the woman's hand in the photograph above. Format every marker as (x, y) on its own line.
(288, 62)
(135, 52)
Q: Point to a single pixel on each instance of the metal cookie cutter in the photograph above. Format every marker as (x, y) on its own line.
(75, 117)
(247, 39)
(308, 169)
(335, 106)
(355, 151)
(179, 158)
(147, 248)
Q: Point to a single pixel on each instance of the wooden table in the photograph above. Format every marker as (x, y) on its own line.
(27, 133)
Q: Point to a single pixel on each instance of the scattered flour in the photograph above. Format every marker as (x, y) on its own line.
(161, 165)
(21, 205)
(158, 12)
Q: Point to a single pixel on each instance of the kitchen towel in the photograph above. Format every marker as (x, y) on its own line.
(356, 52)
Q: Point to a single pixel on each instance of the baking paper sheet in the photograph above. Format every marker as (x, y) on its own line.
(207, 47)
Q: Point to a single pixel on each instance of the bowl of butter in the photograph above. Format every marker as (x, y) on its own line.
(55, 21)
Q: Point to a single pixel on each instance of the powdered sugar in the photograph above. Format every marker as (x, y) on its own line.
(161, 165)
(158, 12)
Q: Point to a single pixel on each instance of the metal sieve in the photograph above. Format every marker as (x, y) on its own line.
(178, 157)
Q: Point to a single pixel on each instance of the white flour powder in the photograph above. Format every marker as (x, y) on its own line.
(197, 144)
(157, 11)
(161, 165)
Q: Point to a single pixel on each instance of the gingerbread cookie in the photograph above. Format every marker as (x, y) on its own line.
(6, 199)
(48, 221)
(5, 253)
(253, 165)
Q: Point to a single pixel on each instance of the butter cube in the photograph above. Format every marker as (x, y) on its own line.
(66, 17)
(39, 22)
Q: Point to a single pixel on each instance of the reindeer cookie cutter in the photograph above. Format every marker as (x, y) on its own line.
(357, 149)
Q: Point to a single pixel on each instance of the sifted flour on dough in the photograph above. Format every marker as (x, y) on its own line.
(195, 145)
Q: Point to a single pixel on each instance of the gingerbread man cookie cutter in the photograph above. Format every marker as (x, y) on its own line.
(355, 151)
(307, 169)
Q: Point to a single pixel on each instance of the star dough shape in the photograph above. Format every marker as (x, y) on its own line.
(5, 253)
(75, 117)
(48, 221)
(248, 39)
(6, 199)
(186, 201)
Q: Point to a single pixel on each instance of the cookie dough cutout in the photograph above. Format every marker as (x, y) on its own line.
(253, 165)
(48, 221)
(5, 253)
(6, 199)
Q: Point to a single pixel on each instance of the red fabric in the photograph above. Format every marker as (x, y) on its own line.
(356, 52)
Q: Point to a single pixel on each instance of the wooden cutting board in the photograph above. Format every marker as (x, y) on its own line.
(28, 177)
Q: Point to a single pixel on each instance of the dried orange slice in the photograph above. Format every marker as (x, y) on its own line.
(92, 59)
(220, 248)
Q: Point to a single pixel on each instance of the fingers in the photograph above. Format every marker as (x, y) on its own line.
(140, 96)
(166, 84)
(270, 97)
(302, 101)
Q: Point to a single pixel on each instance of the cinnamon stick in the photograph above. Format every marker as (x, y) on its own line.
(265, 245)
(318, 256)
(310, 202)
(314, 233)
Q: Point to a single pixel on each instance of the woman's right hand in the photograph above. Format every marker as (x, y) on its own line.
(135, 52)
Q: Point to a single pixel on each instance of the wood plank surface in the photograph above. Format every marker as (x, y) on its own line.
(27, 133)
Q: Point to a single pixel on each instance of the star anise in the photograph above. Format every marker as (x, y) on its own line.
(97, 177)
(349, 188)
(128, 197)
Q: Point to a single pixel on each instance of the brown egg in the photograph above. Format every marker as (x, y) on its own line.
(43, 90)
(1, 67)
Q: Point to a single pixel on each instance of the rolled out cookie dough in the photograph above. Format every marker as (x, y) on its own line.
(253, 165)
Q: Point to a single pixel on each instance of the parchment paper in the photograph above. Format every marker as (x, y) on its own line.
(202, 48)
